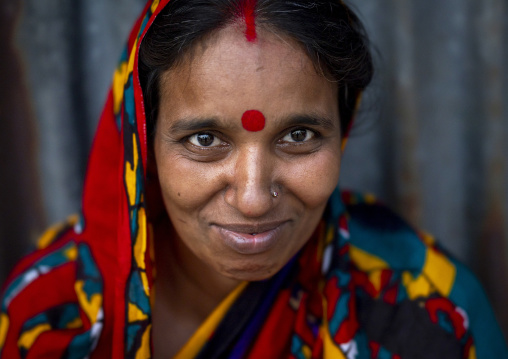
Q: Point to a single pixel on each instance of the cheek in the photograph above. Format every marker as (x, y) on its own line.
(314, 179)
(187, 186)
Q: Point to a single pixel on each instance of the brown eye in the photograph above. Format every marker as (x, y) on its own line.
(204, 139)
(298, 135)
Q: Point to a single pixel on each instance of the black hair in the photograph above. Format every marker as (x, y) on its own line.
(330, 33)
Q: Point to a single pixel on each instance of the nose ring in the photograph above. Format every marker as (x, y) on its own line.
(275, 194)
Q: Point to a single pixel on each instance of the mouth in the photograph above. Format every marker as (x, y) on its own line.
(250, 239)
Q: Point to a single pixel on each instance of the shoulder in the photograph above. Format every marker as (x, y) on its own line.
(408, 269)
(378, 231)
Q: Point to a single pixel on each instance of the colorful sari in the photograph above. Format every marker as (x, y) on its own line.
(366, 285)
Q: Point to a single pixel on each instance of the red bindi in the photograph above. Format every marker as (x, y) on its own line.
(250, 19)
(253, 120)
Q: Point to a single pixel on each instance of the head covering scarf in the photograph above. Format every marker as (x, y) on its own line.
(366, 285)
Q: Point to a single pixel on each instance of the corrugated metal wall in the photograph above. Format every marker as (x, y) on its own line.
(431, 140)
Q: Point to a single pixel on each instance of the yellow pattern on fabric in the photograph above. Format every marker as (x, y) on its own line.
(306, 351)
(140, 244)
(375, 279)
(49, 235)
(154, 5)
(119, 80)
(71, 253)
(440, 271)
(366, 261)
(120, 77)
(130, 172)
(135, 313)
(323, 242)
(416, 287)
(472, 353)
(92, 307)
(201, 335)
(343, 144)
(28, 338)
(4, 326)
(145, 344)
(428, 238)
(369, 198)
(144, 279)
(330, 349)
(76, 323)
(329, 235)
(130, 65)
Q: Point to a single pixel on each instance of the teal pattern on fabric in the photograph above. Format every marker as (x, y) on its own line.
(297, 347)
(42, 266)
(88, 271)
(59, 317)
(341, 312)
(132, 334)
(64, 316)
(135, 291)
(336, 205)
(79, 347)
(384, 354)
(141, 301)
(388, 244)
(468, 294)
(129, 106)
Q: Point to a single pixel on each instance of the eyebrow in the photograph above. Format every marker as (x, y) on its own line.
(310, 120)
(198, 124)
(194, 124)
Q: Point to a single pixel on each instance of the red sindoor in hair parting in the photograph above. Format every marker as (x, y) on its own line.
(249, 16)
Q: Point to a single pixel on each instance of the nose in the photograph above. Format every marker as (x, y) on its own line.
(250, 185)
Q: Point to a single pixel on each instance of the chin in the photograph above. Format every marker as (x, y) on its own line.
(250, 271)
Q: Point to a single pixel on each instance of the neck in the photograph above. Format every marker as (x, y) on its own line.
(186, 291)
(185, 277)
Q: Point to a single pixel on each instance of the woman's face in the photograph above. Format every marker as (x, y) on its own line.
(218, 168)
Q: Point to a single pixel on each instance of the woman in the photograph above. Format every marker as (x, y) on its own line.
(211, 224)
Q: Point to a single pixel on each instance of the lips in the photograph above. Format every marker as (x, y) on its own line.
(250, 239)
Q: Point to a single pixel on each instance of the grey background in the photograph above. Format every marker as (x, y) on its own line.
(431, 140)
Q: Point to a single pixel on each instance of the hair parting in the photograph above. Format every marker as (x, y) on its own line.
(249, 16)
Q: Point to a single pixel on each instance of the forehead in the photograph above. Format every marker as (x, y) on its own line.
(229, 73)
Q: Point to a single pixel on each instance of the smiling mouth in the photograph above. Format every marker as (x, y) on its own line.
(250, 239)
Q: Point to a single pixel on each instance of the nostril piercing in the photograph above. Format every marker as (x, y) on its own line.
(275, 194)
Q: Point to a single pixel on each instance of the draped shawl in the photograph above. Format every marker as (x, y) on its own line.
(366, 285)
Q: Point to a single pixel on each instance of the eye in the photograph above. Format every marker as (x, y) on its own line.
(298, 135)
(204, 139)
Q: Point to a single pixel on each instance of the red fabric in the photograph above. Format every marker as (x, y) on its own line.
(39, 296)
(279, 325)
(101, 200)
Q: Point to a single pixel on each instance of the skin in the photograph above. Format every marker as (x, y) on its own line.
(211, 191)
